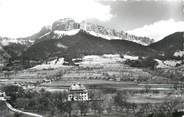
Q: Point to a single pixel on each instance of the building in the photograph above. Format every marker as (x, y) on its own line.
(78, 92)
(2, 96)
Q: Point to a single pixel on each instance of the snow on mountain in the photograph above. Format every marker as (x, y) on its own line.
(68, 26)
(103, 36)
(107, 33)
(65, 24)
(26, 40)
(46, 34)
(69, 33)
(100, 31)
(6, 41)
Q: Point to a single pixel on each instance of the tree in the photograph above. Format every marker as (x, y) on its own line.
(147, 88)
(14, 92)
(96, 102)
(17, 115)
(57, 102)
(96, 105)
(83, 106)
(68, 108)
(121, 101)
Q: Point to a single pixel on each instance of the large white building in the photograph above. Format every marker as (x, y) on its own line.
(77, 92)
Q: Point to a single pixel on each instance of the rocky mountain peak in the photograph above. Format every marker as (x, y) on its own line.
(65, 24)
(68, 24)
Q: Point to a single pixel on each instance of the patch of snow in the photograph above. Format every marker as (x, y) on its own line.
(139, 42)
(172, 63)
(6, 42)
(108, 37)
(161, 64)
(77, 59)
(111, 55)
(131, 57)
(104, 59)
(69, 32)
(50, 65)
(179, 53)
(44, 35)
(114, 57)
(60, 45)
(57, 61)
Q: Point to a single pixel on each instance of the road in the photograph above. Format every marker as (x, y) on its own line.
(22, 112)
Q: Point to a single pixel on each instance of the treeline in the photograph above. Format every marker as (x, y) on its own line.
(102, 103)
(168, 108)
(144, 63)
(50, 104)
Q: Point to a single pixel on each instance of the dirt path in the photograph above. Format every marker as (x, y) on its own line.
(22, 112)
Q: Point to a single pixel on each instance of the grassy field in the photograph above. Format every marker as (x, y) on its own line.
(140, 86)
(104, 76)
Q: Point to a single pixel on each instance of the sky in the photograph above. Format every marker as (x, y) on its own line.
(151, 18)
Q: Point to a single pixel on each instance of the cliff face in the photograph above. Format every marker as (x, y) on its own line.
(68, 24)
(65, 25)
(97, 30)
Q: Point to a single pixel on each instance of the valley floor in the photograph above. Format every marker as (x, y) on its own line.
(143, 85)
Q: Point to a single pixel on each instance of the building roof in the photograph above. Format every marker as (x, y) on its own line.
(77, 87)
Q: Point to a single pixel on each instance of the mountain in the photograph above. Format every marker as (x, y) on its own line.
(68, 24)
(15, 47)
(15, 50)
(5, 41)
(31, 39)
(170, 46)
(69, 39)
(80, 44)
(65, 24)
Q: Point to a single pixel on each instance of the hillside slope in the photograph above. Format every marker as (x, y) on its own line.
(170, 44)
(4, 57)
(84, 44)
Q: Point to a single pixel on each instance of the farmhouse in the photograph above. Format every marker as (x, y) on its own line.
(77, 92)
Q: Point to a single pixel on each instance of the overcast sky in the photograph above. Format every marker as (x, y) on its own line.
(151, 18)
